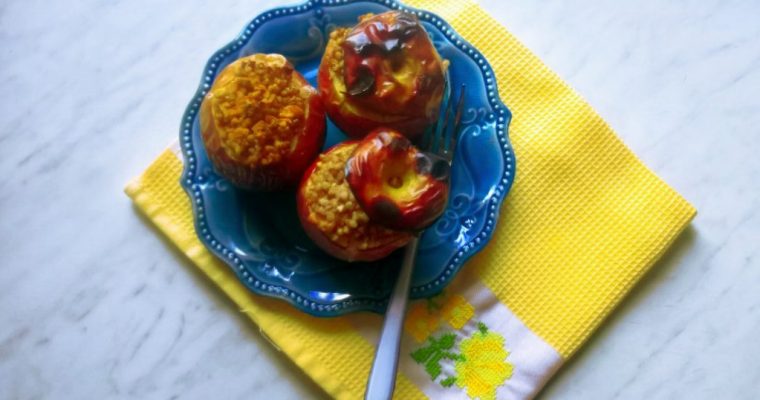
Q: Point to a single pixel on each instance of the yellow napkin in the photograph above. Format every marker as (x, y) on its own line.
(581, 225)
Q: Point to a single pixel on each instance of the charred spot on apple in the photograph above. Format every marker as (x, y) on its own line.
(440, 170)
(387, 208)
(398, 144)
(362, 83)
(382, 37)
(396, 184)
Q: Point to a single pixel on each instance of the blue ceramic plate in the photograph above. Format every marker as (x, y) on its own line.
(259, 235)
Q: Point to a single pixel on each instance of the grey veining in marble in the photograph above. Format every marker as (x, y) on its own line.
(94, 305)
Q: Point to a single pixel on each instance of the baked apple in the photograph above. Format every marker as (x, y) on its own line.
(382, 72)
(396, 184)
(333, 219)
(262, 124)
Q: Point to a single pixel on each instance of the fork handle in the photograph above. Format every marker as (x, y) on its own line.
(382, 377)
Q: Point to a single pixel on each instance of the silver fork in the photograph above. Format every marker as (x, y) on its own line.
(440, 144)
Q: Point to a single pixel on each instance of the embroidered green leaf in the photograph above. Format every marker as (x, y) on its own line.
(482, 328)
(446, 341)
(433, 367)
(452, 356)
(423, 353)
(448, 382)
(431, 355)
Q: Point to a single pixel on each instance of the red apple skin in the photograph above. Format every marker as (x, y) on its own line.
(283, 174)
(393, 51)
(385, 158)
(349, 253)
(308, 144)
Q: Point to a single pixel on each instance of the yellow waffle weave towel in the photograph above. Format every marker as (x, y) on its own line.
(581, 225)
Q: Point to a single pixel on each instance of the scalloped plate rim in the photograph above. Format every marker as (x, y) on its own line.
(341, 307)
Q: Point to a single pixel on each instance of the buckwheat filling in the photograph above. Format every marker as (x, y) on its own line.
(334, 210)
(259, 109)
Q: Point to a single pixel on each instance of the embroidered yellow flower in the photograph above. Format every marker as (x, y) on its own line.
(421, 321)
(457, 311)
(483, 366)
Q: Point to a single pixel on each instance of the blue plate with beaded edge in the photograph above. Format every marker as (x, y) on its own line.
(259, 235)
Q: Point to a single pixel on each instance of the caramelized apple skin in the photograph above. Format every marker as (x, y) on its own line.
(397, 185)
(383, 72)
(333, 219)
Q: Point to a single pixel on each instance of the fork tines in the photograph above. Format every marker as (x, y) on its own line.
(443, 141)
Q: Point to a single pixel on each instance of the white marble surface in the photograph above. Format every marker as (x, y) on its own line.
(94, 305)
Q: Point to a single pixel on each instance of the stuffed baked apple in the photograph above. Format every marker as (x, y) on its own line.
(396, 184)
(382, 72)
(334, 220)
(262, 124)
